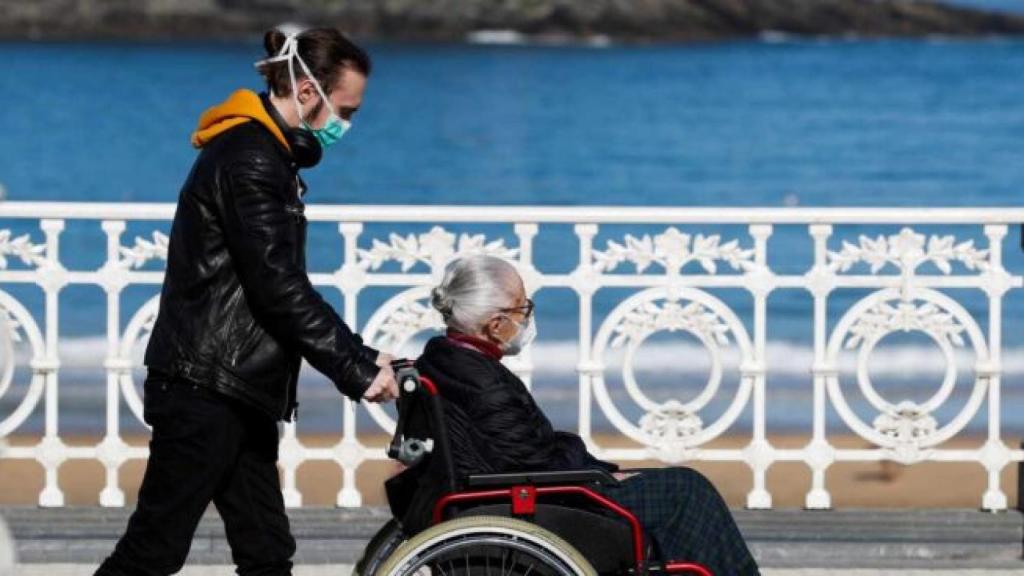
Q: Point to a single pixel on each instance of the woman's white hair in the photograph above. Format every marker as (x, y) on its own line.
(473, 289)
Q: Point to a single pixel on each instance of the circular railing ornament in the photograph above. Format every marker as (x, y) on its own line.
(17, 325)
(139, 328)
(671, 430)
(905, 428)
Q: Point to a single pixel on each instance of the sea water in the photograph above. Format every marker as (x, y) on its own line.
(776, 122)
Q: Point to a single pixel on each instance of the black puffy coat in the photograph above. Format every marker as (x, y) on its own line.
(493, 424)
(237, 311)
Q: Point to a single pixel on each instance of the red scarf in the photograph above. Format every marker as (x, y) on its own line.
(474, 343)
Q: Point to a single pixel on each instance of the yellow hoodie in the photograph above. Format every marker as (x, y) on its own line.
(241, 107)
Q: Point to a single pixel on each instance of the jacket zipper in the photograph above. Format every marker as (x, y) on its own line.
(291, 408)
(296, 210)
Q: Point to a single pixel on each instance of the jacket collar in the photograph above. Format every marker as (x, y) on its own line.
(274, 114)
(285, 129)
(479, 344)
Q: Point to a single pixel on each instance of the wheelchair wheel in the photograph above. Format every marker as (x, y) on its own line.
(380, 547)
(486, 546)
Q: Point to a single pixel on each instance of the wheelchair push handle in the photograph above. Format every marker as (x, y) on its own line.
(411, 451)
(408, 450)
(409, 379)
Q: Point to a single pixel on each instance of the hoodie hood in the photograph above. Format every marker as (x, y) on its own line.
(241, 107)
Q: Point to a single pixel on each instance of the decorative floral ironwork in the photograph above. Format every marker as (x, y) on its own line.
(670, 424)
(673, 250)
(12, 328)
(884, 318)
(907, 251)
(144, 251)
(907, 424)
(11, 324)
(21, 247)
(410, 318)
(147, 326)
(432, 248)
(672, 316)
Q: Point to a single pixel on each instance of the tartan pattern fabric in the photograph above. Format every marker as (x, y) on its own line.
(686, 519)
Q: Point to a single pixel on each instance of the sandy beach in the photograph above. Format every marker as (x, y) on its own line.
(853, 485)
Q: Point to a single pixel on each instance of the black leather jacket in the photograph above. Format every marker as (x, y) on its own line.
(237, 310)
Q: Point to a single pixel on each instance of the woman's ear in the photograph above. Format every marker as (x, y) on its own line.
(492, 330)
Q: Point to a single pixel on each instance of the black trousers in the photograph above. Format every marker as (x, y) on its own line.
(205, 447)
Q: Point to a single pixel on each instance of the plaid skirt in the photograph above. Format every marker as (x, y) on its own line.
(686, 519)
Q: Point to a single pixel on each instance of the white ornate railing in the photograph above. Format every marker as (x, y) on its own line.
(672, 279)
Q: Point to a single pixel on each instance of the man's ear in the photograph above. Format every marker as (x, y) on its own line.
(305, 90)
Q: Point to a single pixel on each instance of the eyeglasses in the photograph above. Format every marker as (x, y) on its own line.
(526, 309)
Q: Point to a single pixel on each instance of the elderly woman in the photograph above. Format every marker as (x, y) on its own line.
(494, 424)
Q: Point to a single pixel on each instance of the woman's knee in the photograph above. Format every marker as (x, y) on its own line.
(690, 476)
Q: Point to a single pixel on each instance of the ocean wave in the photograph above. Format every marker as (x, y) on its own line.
(499, 37)
(562, 357)
(516, 38)
(775, 37)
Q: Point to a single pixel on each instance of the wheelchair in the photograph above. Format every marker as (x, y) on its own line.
(510, 524)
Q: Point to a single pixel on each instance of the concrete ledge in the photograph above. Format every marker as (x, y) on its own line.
(346, 569)
(780, 539)
(884, 538)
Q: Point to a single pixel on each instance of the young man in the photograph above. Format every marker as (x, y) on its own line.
(238, 314)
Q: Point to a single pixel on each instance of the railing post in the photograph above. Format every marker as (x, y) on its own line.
(583, 283)
(532, 281)
(819, 453)
(113, 282)
(759, 452)
(1020, 480)
(995, 454)
(350, 450)
(53, 451)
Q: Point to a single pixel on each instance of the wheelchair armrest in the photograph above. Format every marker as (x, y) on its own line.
(588, 476)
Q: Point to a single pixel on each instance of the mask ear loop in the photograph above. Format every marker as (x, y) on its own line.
(295, 83)
(289, 52)
(309, 74)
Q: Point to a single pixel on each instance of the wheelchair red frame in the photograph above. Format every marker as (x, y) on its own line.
(522, 496)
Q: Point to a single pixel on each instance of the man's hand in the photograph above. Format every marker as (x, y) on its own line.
(384, 359)
(384, 388)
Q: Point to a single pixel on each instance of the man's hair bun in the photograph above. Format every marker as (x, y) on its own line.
(273, 40)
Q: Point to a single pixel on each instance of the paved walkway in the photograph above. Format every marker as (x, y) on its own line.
(345, 569)
(69, 541)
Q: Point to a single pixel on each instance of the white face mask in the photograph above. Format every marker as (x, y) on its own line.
(523, 338)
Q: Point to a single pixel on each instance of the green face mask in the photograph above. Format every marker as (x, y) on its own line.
(332, 131)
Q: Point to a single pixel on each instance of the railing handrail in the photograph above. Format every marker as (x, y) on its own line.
(554, 214)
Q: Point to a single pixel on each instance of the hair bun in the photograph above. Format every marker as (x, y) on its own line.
(273, 40)
(441, 301)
